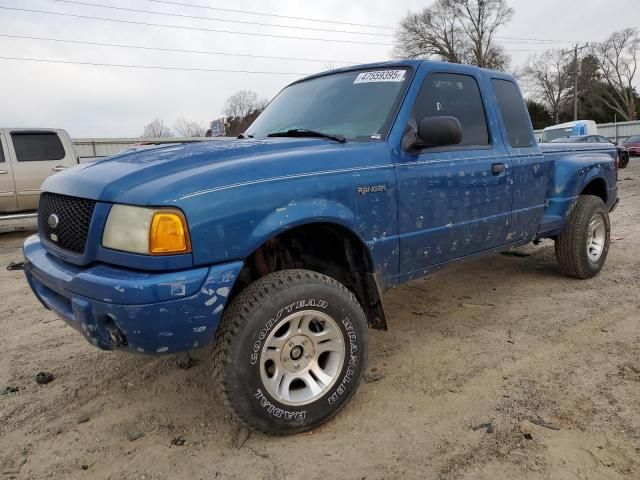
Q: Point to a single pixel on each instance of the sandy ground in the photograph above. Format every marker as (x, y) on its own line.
(475, 356)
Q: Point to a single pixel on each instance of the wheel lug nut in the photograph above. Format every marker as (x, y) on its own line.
(308, 355)
(285, 359)
(291, 344)
(297, 365)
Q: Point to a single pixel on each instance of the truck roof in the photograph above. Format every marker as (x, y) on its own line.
(412, 64)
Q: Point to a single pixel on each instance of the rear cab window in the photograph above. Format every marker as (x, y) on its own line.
(514, 114)
(454, 95)
(37, 146)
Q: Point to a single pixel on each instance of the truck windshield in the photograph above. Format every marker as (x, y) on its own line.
(358, 105)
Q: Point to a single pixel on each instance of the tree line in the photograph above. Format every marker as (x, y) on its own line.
(240, 110)
(182, 128)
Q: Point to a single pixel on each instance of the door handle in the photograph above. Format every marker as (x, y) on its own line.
(3, 172)
(498, 168)
(59, 168)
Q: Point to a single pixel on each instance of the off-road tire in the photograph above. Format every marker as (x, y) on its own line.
(572, 245)
(244, 331)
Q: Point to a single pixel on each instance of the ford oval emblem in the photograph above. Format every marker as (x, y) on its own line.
(53, 220)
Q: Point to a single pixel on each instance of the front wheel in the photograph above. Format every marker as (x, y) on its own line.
(290, 351)
(581, 250)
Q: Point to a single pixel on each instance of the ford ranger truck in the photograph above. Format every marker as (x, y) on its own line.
(273, 249)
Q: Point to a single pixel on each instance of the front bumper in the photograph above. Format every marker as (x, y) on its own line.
(141, 312)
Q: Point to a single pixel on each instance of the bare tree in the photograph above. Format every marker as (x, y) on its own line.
(480, 20)
(461, 31)
(241, 104)
(189, 129)
(261, 104)
(432, 31)
(617, 60)
(156, 129)
(549, 77)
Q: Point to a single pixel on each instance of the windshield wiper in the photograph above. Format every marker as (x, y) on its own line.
(303, 132)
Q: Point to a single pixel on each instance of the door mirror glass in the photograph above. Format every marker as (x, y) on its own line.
(439, 132)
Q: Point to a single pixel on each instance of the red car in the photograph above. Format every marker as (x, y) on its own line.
(633, 145)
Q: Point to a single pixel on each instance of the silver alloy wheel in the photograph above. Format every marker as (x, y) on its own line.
(302, 357)
(596, 234)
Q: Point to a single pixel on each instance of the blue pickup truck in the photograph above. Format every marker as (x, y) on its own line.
(274, 249)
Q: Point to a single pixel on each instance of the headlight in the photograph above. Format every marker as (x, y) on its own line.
(149, 231)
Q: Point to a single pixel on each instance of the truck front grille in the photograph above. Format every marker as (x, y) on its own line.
(64, 221)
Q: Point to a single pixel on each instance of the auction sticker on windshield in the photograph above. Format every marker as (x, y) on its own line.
(381, 76)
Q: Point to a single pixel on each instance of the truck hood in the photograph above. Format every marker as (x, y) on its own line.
(162, 175)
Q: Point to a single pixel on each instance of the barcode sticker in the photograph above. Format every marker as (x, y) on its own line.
(381, 76)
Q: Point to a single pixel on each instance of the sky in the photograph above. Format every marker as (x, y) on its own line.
(99, 101)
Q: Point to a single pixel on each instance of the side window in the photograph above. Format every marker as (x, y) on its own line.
(592, 140)
(454, 95)
(514, 113)
(37, 146)
(604, 140)
(1, 151)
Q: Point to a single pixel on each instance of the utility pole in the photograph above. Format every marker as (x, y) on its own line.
(576, 49)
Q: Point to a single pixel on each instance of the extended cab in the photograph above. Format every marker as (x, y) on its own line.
(27, 158)
(275, 248)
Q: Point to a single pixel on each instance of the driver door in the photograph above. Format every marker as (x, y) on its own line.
(454, 201)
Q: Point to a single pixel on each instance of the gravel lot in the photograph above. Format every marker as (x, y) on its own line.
(499, 368)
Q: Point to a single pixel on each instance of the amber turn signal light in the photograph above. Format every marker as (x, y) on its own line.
(168, 233)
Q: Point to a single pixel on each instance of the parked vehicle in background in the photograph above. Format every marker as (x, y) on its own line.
(27, 158)
(623, 153)
(569, 129)
(275, 248)
(632, 144)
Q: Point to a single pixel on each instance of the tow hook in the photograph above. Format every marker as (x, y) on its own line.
(17, 266)
(116, 336)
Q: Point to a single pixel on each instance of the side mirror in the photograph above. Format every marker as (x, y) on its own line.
(439, 132)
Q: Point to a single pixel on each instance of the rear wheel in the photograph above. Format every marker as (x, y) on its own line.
(624, 160)
(581, 250)
(290, 351)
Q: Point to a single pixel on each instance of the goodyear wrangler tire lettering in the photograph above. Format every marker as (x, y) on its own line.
(290, 351)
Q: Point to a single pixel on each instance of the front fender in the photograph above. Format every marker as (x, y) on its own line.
(297, 213)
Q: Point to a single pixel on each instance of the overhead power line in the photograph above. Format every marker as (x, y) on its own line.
(172, 50)
(151, 67)
(199, 17)
(201, 29)
(265, 14)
